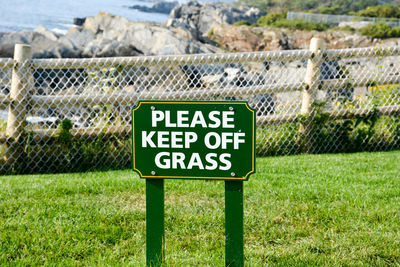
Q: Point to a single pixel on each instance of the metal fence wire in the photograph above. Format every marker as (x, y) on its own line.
(74, 114)
(337, 19)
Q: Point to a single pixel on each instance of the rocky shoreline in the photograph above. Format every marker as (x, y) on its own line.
(191, 28)
(107, 35)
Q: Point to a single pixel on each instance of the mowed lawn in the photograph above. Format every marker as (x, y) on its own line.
(341, 209)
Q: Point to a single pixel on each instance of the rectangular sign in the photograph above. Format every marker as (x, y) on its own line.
(193, 140)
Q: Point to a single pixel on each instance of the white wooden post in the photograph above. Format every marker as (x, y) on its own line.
(312, 80)
(20, 86)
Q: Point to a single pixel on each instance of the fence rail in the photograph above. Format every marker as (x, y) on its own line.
(283, 56)
(74, 114)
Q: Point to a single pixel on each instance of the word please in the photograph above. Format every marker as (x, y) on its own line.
(214, 119)
(212, 140)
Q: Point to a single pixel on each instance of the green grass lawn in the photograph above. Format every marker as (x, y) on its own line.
(326, 210)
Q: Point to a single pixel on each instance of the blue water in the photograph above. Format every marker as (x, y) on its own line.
(57, 15)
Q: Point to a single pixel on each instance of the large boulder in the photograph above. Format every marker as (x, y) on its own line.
(151, 39)
(106, 25)
(138, 37)
(9, 39)
(109, 48)
(43, 47)
(47, 33)
(76, 39)
(202, 17)
(44, 43)
(245, 38)
(163, 7)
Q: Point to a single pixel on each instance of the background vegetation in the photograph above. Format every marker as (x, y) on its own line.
(278, 19)
(379, 11)
(370, 132)
(380, 30)
(277, 10)
(326, 6)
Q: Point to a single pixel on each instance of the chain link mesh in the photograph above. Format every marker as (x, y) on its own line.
(337, 19)
(6, 66)
(77, 111)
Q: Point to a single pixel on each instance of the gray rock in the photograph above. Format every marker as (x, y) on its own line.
(202, 17)
(96, 47)
(76, 40)
(108, 25)
(163, 7)
(48, 34)
(109, 48)
(44, 44)
(8, 41)
(156, 40)
(45, 48)
(79, 21)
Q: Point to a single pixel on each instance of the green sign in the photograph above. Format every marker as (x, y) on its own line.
(193, 140)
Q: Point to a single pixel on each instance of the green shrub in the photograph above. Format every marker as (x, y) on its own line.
(344, 29)
(281, 139)
(380, 30)
(278, 19)
(65, 153)
(380, 11)
(3, 125)
(330, 10)
(242, 22)
(368, 132)
(270, 18)
(301, 25)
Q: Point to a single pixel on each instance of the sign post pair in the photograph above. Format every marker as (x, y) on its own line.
(210, 140)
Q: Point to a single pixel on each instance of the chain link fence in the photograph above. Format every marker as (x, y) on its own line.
(61, 115)
(337, 19)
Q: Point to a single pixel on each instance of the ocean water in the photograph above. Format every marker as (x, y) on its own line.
(57, 15)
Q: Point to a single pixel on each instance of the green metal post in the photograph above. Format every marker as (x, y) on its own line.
(154, 222)
(234, 256)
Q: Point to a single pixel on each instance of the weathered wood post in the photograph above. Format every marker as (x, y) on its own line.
(20, 86)
(312, 80)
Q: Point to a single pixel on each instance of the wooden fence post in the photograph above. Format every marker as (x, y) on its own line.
(312, 79)
(20, 86)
